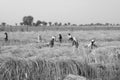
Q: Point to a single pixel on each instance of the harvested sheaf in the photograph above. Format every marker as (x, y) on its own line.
(42, 69)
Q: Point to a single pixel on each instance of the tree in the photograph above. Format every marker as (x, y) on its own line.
(117, 24)
(74, 24)
(28, 20)
(50, 23)
(3, 24)
(98, 24)
(21, 23)
(91, 24)
(34, 24)
(38, 23)
(16, 24)
(56, 23)
(60, 24)
(69, 23)
(106, 24)
(44, 23)
(80, 24)
(65, 24)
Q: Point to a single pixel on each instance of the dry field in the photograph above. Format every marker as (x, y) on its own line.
(22, 58)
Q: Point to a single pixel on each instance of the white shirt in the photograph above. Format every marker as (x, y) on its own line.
(69, 36)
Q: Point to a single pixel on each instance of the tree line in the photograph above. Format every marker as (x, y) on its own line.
(29, 21)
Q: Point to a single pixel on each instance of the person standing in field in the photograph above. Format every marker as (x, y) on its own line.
(6, 36)
(75, 42)
(52, 41)
(70, 38)
(92, 44)
(60, 38)
(39, 38)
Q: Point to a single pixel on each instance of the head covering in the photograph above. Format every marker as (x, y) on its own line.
(69, 34)
(92, 40)
(53, 37)
(5, 33)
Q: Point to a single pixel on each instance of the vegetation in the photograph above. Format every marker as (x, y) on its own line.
(21, 58)
(3, 24)
(28, 20)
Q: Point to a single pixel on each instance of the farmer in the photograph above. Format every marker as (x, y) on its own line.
(39, 38)
(52, 41)
(60, 38)
(70, 38)
(92, 44)
(75, 42)
(6, 36)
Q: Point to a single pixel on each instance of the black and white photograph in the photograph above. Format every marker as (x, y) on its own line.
(59, 40)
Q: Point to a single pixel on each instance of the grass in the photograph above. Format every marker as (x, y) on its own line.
(82, 36)
(22, 58)
(57, 28)
(42, 69)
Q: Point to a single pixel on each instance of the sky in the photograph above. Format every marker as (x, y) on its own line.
(74, 11)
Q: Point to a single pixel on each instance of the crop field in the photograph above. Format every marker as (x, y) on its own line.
(57, 28)
(22, 57)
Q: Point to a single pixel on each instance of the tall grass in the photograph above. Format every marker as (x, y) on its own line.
(57, 68)
(42, 69)
(106, 62)
(35, 62)
(58, 62)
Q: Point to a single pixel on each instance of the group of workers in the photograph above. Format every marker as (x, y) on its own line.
(72, 39)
